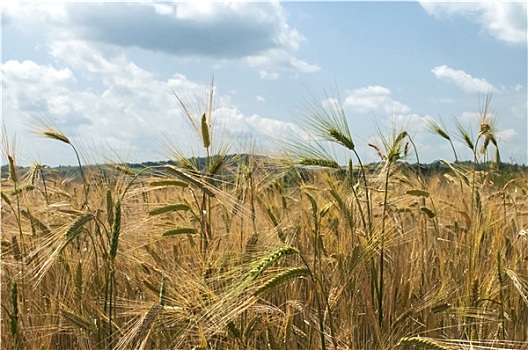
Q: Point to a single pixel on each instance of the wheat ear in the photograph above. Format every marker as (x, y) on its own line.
(206, 136)
(282, 278)
(79, 321)
(421, 342)
(169, 209)
(327, 163)
(264, 263)
(116, 230)
(179, 231)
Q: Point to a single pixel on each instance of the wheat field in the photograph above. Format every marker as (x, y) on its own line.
(247, 252)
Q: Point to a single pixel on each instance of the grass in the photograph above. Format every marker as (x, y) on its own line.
(244, 255)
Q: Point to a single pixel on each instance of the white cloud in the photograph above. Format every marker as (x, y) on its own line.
(130, 111)
(462, 79)
(274, 62)
(240, 126)
(519, 110)
(374, 99)
(504, 20)
(16, 13)
(34, 89)
(471, 118)
(506, 135)
(265, 75)
(257, 34)
(30, 72)
(518, 88)
(443, 100)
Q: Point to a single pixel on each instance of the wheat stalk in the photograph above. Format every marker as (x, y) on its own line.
(520, 284)
(186, 177)
(14, 303)
(36, 223)
(71, 233)
(146, 322)
(168, 183)
(162, 291)
(79, 281)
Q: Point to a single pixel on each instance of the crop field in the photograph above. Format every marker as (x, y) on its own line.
(248, 252)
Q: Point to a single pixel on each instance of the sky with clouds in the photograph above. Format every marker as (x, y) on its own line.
(106, 73)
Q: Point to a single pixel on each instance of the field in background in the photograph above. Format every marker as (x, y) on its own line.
(249, 253)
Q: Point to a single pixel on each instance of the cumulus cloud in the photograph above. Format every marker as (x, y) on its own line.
(462, 79)
(29, 72)
(506, 21)
(374, 99)
(506, 135)
(255, 33)
(252, 127)
(274, 62)
(36, 89)
(129, 112)
(443, 100)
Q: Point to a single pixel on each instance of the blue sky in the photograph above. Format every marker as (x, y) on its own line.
(105, 73)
